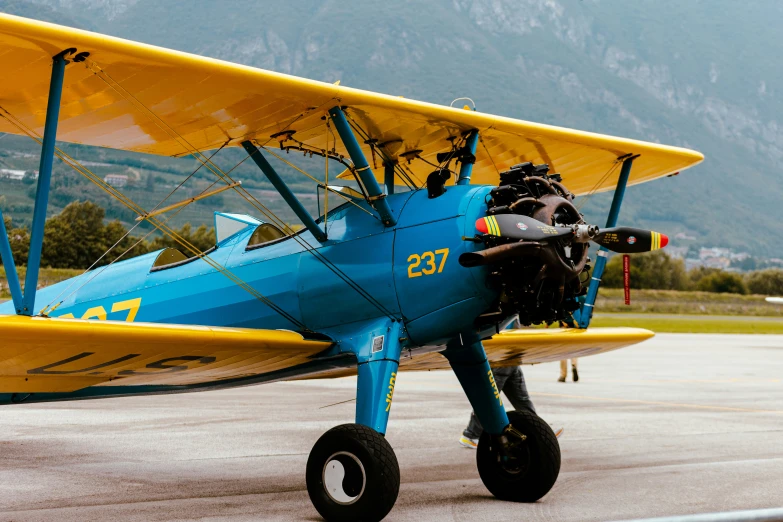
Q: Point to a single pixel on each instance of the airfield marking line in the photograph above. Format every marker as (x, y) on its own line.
(613, 399)
(686, 381)
(659, 403)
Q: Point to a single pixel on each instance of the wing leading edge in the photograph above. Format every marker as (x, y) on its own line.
(142, 98)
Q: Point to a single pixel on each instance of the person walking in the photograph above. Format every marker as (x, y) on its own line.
(564, 370)
(510, 381)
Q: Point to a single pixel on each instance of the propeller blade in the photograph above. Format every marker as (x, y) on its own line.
(514, 226)
(626, 240)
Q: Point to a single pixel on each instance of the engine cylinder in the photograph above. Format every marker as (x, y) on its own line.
(539, 281)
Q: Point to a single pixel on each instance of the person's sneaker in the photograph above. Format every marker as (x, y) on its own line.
(561, 379)
(559, 431)
(576, 375)
(466, 442)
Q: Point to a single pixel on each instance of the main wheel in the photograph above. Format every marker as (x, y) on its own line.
(520, 469)
(352, 474)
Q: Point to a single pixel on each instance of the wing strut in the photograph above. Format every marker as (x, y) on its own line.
(388, 175)
(586, 312)
(284, 191)
(466, 169)
(11, 276)
(24, 302)
(376, 197)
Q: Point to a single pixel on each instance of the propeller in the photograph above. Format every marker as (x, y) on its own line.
(627, 240)
(624, 240)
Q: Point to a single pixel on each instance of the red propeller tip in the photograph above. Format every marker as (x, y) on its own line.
(664, 240)
(481, 226)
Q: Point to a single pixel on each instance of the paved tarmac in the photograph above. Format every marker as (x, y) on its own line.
(680, 424)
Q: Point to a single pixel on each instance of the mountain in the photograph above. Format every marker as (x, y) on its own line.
(699, 74)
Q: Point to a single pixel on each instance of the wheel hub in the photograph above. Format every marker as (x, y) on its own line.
(344, 478)
(514, 454)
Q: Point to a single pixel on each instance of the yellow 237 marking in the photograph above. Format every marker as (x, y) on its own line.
(431, 266)
(98, 312)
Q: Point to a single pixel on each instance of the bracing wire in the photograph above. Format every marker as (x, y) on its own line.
(590, 193)
(48, 308)
(106, 78)
(130, 204)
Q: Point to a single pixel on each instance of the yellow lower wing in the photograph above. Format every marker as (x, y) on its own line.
(42, 355)
(538, 345)
(528, 346)
(531, 346)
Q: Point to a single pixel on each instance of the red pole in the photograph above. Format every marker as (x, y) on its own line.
(627, 278)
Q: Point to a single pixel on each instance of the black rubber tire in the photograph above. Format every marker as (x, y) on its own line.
(541, 454)
(381, 471)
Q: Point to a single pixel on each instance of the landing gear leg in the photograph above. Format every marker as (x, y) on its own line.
(518, 455)
(352, 472)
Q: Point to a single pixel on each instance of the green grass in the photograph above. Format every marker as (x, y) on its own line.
(692, 324)
(47, 277)
(685, 303)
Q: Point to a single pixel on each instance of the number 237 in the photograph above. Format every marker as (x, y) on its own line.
(430, 267)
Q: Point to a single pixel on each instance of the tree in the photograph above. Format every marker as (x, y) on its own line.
(127, 246)
(78, 238)
(767, 282)
(75, 238)
(695, 275)
(19, 238)
(203, 239)
(724, 283)
(656, 270)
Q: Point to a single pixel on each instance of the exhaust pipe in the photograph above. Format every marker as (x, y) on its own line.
(499, 253)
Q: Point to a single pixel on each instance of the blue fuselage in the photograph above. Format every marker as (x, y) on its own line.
(410, 270)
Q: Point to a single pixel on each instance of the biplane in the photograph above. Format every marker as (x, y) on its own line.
(459, 221)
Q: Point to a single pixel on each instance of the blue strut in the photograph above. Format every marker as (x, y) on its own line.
(468, 359)
(388, 176)
(375, 195)
(289, 197)
(586, 313)
(378, 355)
(44, 183)
(466, 169)
(7, 255)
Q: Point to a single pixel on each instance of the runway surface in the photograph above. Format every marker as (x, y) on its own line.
(680, 424)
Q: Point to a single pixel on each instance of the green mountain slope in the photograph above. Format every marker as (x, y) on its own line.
(700, 74)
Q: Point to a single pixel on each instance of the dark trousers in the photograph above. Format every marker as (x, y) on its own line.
(510, 381)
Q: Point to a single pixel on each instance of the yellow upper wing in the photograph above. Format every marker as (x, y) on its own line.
(43, 355)
(138, 97)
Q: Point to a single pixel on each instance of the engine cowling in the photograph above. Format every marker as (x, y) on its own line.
(539, 280)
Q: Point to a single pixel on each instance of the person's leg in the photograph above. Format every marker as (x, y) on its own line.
(515, 389)
(573, 369)
(563, 370)
(474, 429)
